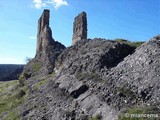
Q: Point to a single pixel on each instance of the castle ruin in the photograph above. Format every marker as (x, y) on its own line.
(47, 49)
(43, 31)
(79, 28)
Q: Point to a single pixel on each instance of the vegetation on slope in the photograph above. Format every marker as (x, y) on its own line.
(40, 84)
(11, 96)
(135, 44)
(97, 117)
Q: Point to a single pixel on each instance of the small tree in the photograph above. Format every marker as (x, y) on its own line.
(22, 80)
(28, 59)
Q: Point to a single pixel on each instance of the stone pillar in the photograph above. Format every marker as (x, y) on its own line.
(43, 22)
(79, 28)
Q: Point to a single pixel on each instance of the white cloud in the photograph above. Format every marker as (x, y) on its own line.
(59, 3)
(56, 3)
(39, 4)
(32, 37)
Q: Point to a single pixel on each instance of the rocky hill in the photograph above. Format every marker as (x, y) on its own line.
(95, 79)
(10, 72)
(82, 88)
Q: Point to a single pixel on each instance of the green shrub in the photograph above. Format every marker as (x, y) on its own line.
(36, 66)
(22, 79)
(81, 76)
(125, 92)
(52, 74)
(121, 40)
(135, 44)
(20, 93)
(94, 76)
(39, 84)
(97, 117)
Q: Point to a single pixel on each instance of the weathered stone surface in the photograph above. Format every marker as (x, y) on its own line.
(82, 89)
(42, 23)
(72, 92)
(137, 77)
(78, 91)
(79, 28)
(92, 56)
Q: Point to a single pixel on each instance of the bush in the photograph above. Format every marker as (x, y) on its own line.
(135, 44)
(20, 93)
(36, 67)
(39, 84)
(22, 80)
(97, 117)
(126, 92)
(28, 59)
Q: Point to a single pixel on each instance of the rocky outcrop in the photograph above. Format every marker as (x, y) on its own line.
(136, 79)
(47, 49)
(73, 91)
(79, 28)
(94, 55)
(78, 90)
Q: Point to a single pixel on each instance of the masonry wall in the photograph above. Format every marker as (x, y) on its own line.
(79, 28)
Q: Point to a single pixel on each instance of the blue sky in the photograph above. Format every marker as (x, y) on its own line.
(135, 20)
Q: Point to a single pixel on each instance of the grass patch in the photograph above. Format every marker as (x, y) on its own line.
(132, 113)
(81, 76)
(39, 84)
(52, 74)
(12, 100)
(97, 117)
(125, 92)
(36, 66)
(7, 85)
(12, 116)
(12, 95)
(135, 44)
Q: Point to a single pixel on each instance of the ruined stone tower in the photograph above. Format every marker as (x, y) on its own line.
(43, 20)
(47, 49)
(44, 34)
(79, 28)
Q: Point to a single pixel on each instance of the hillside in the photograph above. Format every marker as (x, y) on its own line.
(94, 79)
(82, 88)
(10, 72)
